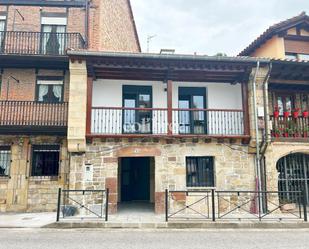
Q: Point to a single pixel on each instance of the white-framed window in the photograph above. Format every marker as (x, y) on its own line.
(53, 35)
(5, 160)
(50, 90)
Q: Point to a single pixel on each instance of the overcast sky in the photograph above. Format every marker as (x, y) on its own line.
(209, 26)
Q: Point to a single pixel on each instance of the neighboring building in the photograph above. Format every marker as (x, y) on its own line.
(34, 101)
(157, 122)
(287, 103)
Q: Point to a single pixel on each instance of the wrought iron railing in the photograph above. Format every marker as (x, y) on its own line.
(82, 204)
(39, 43)
(241, 205)
(155, 121)
(290, 127)
(30, 113)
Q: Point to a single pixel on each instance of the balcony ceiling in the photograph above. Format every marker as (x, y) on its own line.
(290, 72)
(166, 67)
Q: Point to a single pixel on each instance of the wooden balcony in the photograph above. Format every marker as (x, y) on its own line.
(159, 122)
(290, 128)
(39, 43)
(28, 117)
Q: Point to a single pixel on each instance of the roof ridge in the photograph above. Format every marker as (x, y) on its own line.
(270, 29)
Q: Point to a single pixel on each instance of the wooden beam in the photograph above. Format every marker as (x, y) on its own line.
(292, 82)
(245, 107)
(89, 104)
(169, 106)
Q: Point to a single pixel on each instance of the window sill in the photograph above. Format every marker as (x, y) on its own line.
(200, 188)
(4, 178)
(44, 178)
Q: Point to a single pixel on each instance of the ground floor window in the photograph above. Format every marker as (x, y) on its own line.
(200, 171)
(5, 160)
(45, 160)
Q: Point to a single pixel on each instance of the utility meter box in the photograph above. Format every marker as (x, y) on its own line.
(88, 172)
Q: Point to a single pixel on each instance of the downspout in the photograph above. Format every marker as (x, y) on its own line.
(266, 139)
(257, 158)
(87, 23)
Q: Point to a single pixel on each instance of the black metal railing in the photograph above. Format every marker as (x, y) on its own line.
(121, 120)
(241, 205)
(290, 127)
(39, 43)
(30, 113)
(82, 204)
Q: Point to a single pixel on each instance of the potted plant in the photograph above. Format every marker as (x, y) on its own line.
(295, 132)
(295, 113)
(286, 133)
(276, 112)
(277, 133)
(305, 113)
(287, 206)
(286, 113)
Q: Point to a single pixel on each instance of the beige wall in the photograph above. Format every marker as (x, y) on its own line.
(273, 48)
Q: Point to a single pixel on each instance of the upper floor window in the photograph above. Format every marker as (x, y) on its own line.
(50, 90)
(200, 171)
(53, 35)
(294, 56)
(2, 23)
(5, 160)
(192, 121)
(137, 120)
(45, 160)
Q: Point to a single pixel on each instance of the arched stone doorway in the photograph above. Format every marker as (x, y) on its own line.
(293, 175)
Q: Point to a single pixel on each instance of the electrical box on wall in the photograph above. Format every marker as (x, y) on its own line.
(88, 172)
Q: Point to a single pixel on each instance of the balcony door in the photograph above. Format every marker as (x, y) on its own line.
(285, 102)
(137, 120)
(192, 121)
(2, 29)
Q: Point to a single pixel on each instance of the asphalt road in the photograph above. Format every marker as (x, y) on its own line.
(150, 239)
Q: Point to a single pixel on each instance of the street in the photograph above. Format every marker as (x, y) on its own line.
(152, 239)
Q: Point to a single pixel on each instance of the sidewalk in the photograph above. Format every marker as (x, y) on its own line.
(26, 220)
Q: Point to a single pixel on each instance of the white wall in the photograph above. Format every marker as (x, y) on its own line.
(108, 93)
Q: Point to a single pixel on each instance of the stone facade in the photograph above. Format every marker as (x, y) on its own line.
(234, 166)
(23, 192)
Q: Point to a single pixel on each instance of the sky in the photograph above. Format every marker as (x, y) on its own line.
(208, 27)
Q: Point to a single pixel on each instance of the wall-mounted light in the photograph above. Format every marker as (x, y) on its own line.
(8, 85)
(16, 11)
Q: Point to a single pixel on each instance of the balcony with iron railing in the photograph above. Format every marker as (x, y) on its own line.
(18, 117)
(126, 122)
(39, 43)
(290, 127)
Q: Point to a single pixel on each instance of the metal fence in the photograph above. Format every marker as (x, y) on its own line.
(82, 204)
(215, 205)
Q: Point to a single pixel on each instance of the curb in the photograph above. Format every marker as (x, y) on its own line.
(176, 225)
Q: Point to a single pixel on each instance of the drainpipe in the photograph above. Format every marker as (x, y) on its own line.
(257, 158)
(266, 139)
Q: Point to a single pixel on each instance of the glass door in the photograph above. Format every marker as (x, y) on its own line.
(192, 121)
(2, 34)
(138, 119)
(53, 39)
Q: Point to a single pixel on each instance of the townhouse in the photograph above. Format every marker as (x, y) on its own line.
(35, 85)
(74, 114)
(157, 122)
(284, 146)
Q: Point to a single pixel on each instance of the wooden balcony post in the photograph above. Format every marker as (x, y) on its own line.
(169, 106)
(245, 107)
(89, 105)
